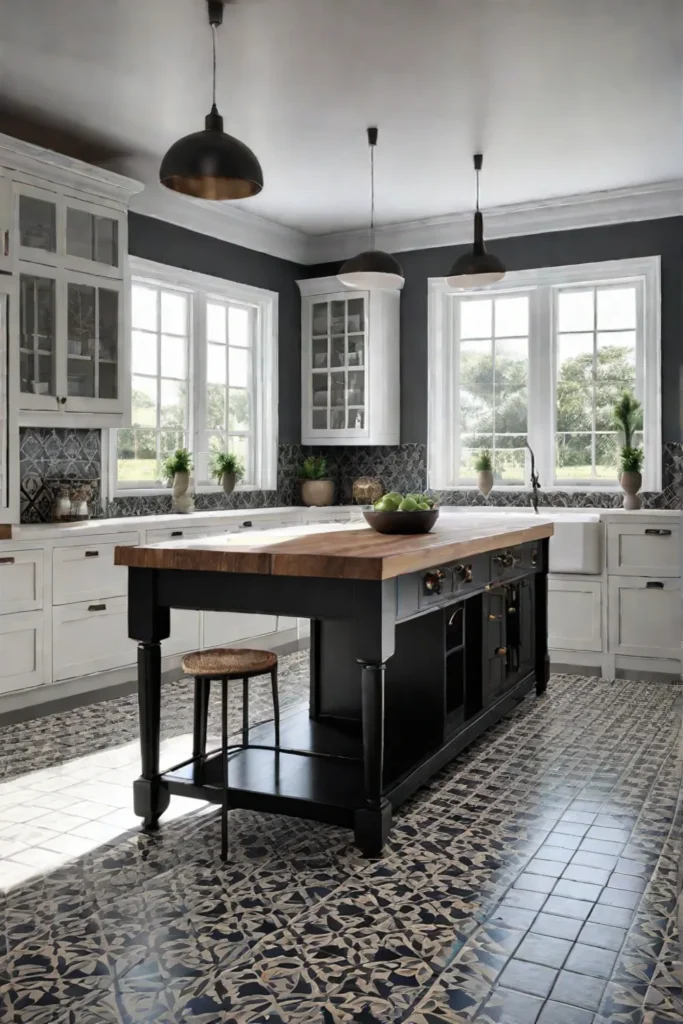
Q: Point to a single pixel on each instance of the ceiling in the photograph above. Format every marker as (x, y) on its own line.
(562, 96)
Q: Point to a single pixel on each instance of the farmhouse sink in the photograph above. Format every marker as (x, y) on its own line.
(575, 546)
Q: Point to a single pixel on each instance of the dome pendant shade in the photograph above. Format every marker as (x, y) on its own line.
(373, 269)
(478, 267)
(211, 164)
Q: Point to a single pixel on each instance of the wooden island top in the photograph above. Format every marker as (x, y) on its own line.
(336, 551)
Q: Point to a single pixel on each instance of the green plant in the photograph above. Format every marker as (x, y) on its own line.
(628, 417)
(631, 459)
(483, 461)
(223, 463)
(314, 468)
(179, 462)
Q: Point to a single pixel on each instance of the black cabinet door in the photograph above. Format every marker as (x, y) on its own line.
(495, 644)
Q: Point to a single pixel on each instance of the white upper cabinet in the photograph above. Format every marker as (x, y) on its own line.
(349, 364)
(64, 240)
(9, 434)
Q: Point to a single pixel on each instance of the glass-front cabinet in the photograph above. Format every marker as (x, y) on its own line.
(350, 365)
(9, 435)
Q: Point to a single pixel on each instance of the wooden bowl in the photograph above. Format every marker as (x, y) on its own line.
(420, 521)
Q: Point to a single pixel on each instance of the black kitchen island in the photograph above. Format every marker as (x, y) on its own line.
(418, 644)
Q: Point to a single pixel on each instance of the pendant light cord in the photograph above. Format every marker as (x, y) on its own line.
(372, 197)
(214, 28)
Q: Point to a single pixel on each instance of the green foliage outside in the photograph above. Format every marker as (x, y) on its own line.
(493, 412)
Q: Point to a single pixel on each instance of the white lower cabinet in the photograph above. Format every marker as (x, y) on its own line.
(86, 571)
(21, 581)
(574, 615)
(645, 617)
(21, 643)
(185, 630)
(91, 636)
(222, 628)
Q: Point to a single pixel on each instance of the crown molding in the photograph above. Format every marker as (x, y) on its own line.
(223, 220)
(593, 209)
(241, 227)
(34, 161)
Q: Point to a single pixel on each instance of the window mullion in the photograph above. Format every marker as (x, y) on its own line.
(540, 405)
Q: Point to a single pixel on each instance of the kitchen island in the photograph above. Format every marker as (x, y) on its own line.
(418, 644)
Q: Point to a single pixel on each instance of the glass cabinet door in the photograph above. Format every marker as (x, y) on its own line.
(4, 405)
(92, 341)
(338, 346)
(91, 236)
(37, 224)
(37, 335)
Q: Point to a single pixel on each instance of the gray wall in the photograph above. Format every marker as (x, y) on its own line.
(618, 241)
(157, 240)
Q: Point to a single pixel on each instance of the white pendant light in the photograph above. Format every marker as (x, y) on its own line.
(372, 269)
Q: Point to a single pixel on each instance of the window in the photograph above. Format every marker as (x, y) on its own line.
(203, 376)
(541, 359)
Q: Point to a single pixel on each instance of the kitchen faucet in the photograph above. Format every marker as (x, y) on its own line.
(535, 483)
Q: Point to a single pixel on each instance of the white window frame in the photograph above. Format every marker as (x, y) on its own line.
(200, 288)
(541, 284)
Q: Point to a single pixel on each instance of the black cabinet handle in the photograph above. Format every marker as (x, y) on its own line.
(247, 522)
(6, 561)
(654, 585)
(176, 533)
(658, 533)
(92, 554)
(97, 607)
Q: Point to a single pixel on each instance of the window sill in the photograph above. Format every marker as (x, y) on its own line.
(526, 489)
(154, 492)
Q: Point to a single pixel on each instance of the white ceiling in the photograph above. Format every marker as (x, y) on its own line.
(562, 96)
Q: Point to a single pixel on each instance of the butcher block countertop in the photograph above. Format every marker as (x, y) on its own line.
(337, 551)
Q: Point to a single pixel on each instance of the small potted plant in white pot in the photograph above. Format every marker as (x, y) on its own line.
(631, 478)
(316, 486)
(177, 468)
(628, 417)
(227, 468)
(484, 467)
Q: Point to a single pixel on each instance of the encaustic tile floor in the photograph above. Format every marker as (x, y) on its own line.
(534, 880)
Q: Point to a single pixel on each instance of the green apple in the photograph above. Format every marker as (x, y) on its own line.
(408, 504)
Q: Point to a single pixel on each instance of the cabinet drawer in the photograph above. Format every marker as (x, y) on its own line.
(222, 628)
(86, 571)
(639, 549)
(184, 632)
(574, 615)
(91, 636)
(645, 617)
(21, 581)
(21, 643)
(180, 532)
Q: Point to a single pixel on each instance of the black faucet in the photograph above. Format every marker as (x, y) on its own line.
(535, 483)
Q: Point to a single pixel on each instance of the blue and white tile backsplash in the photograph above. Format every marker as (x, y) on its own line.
(53, 457)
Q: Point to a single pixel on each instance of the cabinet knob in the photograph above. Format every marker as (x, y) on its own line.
(463, 572)
(433, 581)
(501, 651)
(495, 618)
(534, 556)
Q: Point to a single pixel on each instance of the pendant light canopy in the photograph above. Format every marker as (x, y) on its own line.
(372, 269)
(210, 164)
(478, 267)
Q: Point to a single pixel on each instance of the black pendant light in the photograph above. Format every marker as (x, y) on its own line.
(478, 267)
(372, 269)
(211, 164)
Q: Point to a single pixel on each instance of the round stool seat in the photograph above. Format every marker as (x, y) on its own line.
(228, 661)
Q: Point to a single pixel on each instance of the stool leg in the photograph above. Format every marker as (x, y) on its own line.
(224, 743)
(245, 712)
(276, 705)
(202, 690)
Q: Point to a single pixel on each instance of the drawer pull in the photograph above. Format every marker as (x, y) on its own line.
(247, 522)
(6, 561)
(654, 585)
(176, 533)
(658, 533)
(92, 554)
(495, 618)
(97, 607)
(452, 618)
(500, 651)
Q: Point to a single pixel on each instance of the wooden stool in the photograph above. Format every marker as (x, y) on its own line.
(225, 664)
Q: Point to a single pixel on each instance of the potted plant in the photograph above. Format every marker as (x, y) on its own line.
(177, 468)
(316, 486)
(484, 467)
(631, 460)
(227, 468)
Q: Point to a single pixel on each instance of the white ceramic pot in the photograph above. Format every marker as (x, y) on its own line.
(631, 482)
(317, 492)
(485, 481)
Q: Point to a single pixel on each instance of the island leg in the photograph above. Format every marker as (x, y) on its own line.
(542, 657)
(149, 624)
(372, 822)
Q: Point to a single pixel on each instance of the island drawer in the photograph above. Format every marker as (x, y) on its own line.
(643, 549)
(81, 572)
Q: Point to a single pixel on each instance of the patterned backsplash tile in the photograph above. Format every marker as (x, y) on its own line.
(53, 457)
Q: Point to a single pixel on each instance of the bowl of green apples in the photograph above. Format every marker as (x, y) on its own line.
(402, 513)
